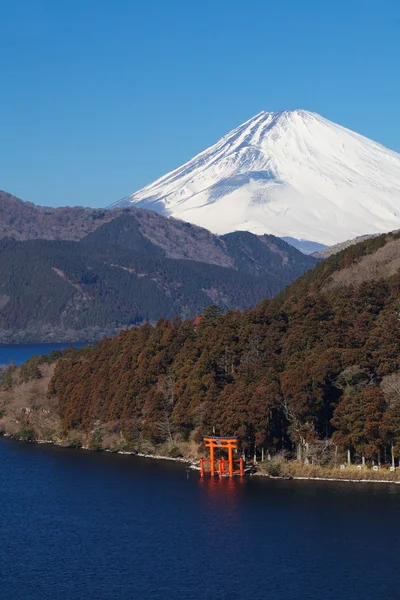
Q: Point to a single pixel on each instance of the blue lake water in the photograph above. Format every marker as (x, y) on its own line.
(19, 353)
(96, 526)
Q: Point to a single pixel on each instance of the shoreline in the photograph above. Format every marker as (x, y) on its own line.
(104, 450)
(341, 479)
(193, 463)
(153, 456)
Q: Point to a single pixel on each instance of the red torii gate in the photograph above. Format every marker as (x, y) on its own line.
(225, 467)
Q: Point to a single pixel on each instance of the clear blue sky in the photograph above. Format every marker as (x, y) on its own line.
(100, 97)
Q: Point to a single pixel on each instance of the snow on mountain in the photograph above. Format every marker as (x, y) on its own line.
(290, 173)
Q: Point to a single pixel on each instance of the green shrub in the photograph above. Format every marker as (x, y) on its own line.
(7, 381)
(96, 441)
(175, 452)
(27, 434)
(273, 468)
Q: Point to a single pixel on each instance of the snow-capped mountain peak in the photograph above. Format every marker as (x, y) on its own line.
(290, 173)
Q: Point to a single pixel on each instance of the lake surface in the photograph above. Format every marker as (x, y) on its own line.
(19, 353)
(78, 525)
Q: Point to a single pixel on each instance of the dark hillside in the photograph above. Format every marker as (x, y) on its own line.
(263, 253)
(116, 277)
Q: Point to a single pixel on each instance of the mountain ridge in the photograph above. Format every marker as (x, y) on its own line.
(136, 267)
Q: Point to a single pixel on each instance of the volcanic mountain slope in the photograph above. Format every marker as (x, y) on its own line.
(290, 173)
(138, 267)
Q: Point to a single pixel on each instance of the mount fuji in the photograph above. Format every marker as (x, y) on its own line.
(290, 173)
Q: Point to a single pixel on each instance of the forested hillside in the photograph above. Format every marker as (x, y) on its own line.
(135, 268)
(315, 371)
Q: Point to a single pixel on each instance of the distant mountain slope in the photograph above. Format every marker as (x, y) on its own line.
(137, 267)
(305, 246)
(290, 173)
(21, 220)
(330, 250)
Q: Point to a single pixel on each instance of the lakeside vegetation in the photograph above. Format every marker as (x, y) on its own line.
(309, 381)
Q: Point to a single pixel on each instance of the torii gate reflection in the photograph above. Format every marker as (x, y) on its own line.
(225, 467)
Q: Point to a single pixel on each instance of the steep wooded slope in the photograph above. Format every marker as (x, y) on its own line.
(317, 369)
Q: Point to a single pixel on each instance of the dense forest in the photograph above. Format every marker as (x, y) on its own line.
(138, 267)
(314, 373)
